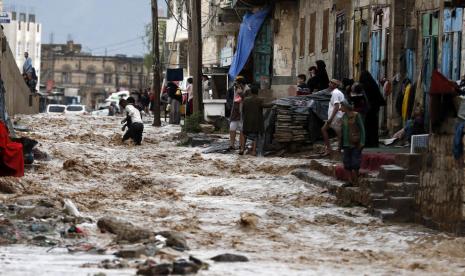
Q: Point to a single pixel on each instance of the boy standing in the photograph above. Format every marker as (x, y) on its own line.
(253, 122)
(353, 140)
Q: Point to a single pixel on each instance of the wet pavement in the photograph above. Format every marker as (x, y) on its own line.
(298, 229)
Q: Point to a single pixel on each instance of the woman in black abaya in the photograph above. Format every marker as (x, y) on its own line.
(375, 101)
(321, 75)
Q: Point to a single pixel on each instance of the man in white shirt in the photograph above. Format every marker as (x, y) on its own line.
(27, 66)
(133, 121)
(334, 115)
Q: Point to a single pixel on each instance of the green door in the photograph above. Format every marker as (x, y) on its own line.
(430, 33)
(262, 56)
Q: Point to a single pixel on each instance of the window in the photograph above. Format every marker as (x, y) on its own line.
(66, 77)
(38, 28)
(107, 78)
(91, 78)
(324, 41)
(13, 16)
(311, 41)
(302, 37)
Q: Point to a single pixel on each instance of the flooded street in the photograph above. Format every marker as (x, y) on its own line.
(292, 228)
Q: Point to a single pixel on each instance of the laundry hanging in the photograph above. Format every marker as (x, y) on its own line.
(405, 102)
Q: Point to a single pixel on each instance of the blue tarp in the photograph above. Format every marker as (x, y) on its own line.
(250, 26)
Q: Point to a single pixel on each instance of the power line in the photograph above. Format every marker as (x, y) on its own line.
(174, 16)
(118, 43)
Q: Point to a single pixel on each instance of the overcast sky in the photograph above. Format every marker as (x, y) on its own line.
(97, 24)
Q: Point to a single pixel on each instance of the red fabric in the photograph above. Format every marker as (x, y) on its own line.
(11, 155)
(441, 85)
(370, 162)
(373, 161)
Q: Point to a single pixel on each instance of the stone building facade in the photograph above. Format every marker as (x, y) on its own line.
(65, 65)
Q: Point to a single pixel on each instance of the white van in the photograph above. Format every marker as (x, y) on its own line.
(75, 109)
(55, 109)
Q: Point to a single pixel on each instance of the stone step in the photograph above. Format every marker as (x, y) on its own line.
(411, 188)
(376, 196)
(411, 178)
(318, 179)
(323, 166)
(397, 186)
(348, 196)
(412, 162)
(394, 193)
(380, 203)
(393, 215)
(392, 173)
(376, 185)
(402, 203)
(384, 213)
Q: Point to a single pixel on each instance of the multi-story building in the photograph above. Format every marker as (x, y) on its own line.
(24, 34)
(65, 65)
(177, 36)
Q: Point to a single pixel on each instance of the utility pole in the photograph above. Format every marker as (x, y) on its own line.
(156, 89)
(196, 50)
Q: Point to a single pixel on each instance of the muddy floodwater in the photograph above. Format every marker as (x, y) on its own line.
(296, 228)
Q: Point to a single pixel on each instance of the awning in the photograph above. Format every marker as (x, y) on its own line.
(250, 27)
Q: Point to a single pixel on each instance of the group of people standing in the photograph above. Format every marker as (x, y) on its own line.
(246, 115)
(174, 96)
(353, 112)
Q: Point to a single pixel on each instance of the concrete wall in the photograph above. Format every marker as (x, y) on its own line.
(285, 47)
(18, 97)
(441, 195)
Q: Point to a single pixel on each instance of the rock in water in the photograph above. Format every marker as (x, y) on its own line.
(71, 209)
(8, 185)
(124, 231)
(248, 220)
(205, 128)
(161, 269)
(230, 258)
(39, 212)
(175, 240)
(183, 267)
(131, 251)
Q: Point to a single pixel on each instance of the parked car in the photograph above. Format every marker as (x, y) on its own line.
(114, 99)
(104, 111)
(55, 109)
(75, 109)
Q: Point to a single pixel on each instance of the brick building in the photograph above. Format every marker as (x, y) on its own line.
(65, 65)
